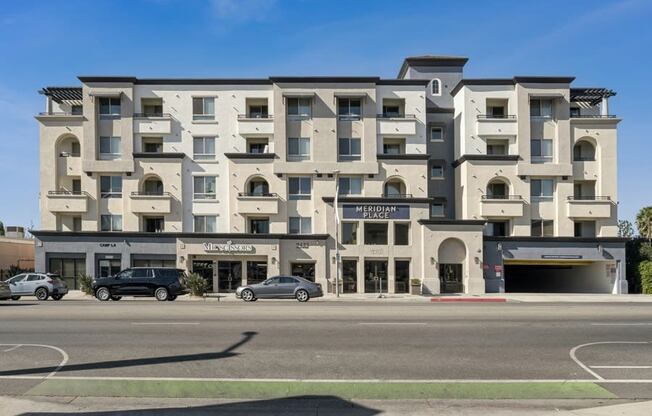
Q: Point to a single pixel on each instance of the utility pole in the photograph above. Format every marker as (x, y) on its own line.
(337, 233)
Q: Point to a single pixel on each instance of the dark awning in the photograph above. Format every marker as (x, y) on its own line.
(59, 94)
(590, 95)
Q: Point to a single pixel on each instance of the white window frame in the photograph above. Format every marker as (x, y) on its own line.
(299, 114)
(203, 116)
(204, 196)
(110, 114)
(111, 193)
(203, 156)
(349, 178)
(304, 223)
(299, 156)
(432, 83)
(114, 154)
(541, 115)
(437, 165)
(115, 222)
(301, 194)
(430, 134)
(348, 116)
(542, 158)
(542, 196)
(205, 219)
(349, 156)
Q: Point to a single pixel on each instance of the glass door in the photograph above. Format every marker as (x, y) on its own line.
(375, 276)
(229, 275)
(450, 277)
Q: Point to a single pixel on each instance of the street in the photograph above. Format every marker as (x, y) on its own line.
(63, 348)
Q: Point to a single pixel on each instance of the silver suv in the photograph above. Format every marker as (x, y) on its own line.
(41, 285)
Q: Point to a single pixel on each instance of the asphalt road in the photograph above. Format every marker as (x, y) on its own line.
(325, 341)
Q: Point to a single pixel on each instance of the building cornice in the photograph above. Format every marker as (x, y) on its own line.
(447, 221)
(167, 235)
(559, 239)
(511, 81)
(377, 200)
(252, 81)
(431, 61)
(493, 158)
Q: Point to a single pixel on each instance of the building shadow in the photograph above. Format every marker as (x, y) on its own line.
(135, 362)
(287, 406)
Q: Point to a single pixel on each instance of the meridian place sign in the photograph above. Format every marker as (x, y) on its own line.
(376, 211)
(229, 248)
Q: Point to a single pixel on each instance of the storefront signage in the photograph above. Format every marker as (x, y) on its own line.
(108, 245)
(561, 256)
(229, 248)
(376, 212)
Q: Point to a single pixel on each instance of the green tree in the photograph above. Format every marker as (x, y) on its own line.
(625, 229)
(644, 222)
(2, 228)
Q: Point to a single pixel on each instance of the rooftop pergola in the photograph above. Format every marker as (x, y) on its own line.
(60, 94)
(591, 96)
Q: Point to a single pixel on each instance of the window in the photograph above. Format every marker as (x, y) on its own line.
(401, 276)
(349, 109)
(152, 107)
(204, 187)
(435, 87)
(203, 108)
(76, 187)
(541, 108)
(300, 225)
(350, 186)
(391, 111)
(497, 190)
(299, 107)
(436, 134)
(349, 149)
(496, 111)
(375, 233)
(541, 188)
(393, 146)
(205, 223)
(109, 107)
(75, 149)
(575, 112)
(153, 144)
(110, 186)
(496, 228)
(259, 225)
(497, 147)
(349, 233)
(583, 151)
(256, 271)
(394, 188)
(401, 233)
(258, 187)
(153, 186)
(436, 171)
(542, 228)
(437, 210)
(349, 276)
(257, 147)
(585, 229)
(299, 148)
(77, 110)
(111, 222)
(258, 111)
(305, 270)
(299, 188)
(203, 148)
(76, 223)
(541, 150)
(110, 148)
(153, 224)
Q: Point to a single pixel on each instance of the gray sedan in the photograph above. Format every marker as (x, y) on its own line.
(280, 287)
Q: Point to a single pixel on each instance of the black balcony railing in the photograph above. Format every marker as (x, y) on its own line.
(396, 195)
(593, 116)
(258, 194)
(152, 115)
(501, 197)
(589, 198)
(255, 116)
(496, 116)
(583, 158)
(396, 115)
(65, 192)
(150, 193)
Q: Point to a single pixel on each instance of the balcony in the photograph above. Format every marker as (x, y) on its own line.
(69, 165)
(67, 201)
(261, 125)
(248, 203)
(147, 203)
(502, 207)
(397, 125)
(489, 125)
(589, 207)
(152, 123)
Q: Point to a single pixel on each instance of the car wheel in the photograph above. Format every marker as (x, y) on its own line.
(116, 298)
(161, 294)
(302, 295)
(57, 297)
(247, 295)
(15, 297)
(103, 294)
(41, 293)
(172, 297)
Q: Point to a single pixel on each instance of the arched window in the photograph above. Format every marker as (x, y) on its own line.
(153, 186)
(258, 187)
(435, 86)
(583, 151)
(497, 189)
(395, 188)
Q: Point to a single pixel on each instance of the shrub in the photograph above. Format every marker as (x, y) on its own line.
(85, 283)
(196, 284)
(645, 271)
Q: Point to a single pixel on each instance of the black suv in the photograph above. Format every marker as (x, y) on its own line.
(162, 283)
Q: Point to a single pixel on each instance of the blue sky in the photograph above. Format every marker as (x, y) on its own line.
(602, 43)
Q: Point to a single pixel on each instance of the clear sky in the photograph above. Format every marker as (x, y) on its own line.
(602, 43)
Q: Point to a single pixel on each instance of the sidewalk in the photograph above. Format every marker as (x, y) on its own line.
(456, 298)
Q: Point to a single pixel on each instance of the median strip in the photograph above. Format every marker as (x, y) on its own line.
(348, 390)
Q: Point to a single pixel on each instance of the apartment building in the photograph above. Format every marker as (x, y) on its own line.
(461, 185)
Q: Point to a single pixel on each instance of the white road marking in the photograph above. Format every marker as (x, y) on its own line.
(165, 323)
(13, 348)
(621, 323)
(623, 366)
(573, 355)
(392, 323)
(63, 362)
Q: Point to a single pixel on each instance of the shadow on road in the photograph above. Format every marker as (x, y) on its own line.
(15, 303)
(289, 406)
(135, 362)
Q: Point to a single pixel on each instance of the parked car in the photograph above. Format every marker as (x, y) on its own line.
(280, 287)
(5, 290)
(161, 282)
(41, 285)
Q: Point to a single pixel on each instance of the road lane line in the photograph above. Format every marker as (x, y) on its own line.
(392, 323)
(623, 366)
(621, 323)
(13, 348)
(63, 362)
(573, 355)
(165, 323)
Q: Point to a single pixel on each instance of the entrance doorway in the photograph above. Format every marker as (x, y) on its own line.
(375, 276)
(350, 276)
(450, 277)
(229, 275)
(204, 268)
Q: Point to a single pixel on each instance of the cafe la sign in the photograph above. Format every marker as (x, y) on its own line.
(229, 248)
(376, 211)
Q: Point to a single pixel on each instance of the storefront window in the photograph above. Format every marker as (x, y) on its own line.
(69, 269)
(256, 272)
(305, 270)
(108, 267)
(375, 276)
(401, 234)
(349, 276)
(153, 263)
(402, 276)
(349, 233)
(375, 233)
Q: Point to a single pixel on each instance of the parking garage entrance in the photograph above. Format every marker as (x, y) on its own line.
(561, 276)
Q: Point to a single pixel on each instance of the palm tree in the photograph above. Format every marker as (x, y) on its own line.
(644, 222)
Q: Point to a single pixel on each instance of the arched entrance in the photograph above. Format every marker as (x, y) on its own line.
(452, 255)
